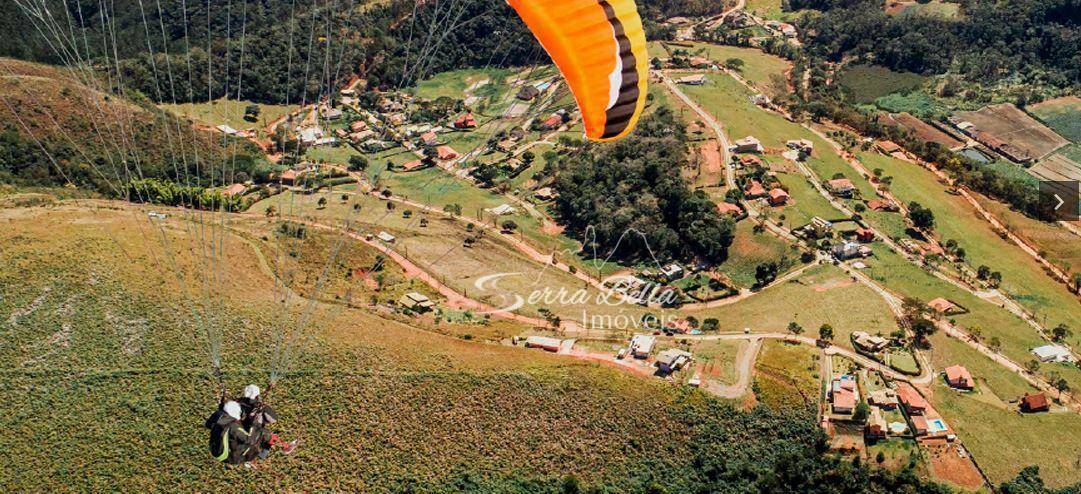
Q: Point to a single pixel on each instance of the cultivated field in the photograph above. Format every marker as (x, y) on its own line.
(1011, 125)
(924, 130)
(1063, 115)
(1058, 166)
(865, 83)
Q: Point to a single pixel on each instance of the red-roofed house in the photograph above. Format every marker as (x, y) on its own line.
(888, 146)
(882, 205)
(841, 187)
(942, 306)
(844, 402)
(358, 126)
(755, 190)
(233, 190)
(911, 399)
(749, 160)
(429, 139)
(465, 122)
(552, 122)
(958, 377)
(729, 208)
(865, 235)
(289, 176)
(843, 394)
(446, 153)
(919, 425)
(1034, 403)
(412, 165)
(778, 197)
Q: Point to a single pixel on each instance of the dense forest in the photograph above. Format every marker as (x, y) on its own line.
(277, 51)
(628, 200)
(1039, 40)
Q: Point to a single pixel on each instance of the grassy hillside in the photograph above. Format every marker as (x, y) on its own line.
(60, 126)
(106, 386)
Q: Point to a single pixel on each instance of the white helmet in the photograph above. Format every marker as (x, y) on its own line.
(251, 391)
(232, 409)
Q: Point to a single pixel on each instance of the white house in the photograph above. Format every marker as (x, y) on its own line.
(543, 342)
(1052, 353)
(747, 145)
(386, 237)
(642, 345)
(502, 209)
(672, 271)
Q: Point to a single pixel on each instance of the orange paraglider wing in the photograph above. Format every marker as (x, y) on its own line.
(600, 48)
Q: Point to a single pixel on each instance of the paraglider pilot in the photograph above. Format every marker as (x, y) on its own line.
(258, 415)
(238, 433)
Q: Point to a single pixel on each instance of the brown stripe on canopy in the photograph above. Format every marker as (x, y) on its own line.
(619, 115)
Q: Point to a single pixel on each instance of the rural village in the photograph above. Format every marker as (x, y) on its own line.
(927, 322)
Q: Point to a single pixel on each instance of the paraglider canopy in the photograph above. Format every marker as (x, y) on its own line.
(600, 48)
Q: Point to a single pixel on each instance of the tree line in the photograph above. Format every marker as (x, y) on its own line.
(1036, 41)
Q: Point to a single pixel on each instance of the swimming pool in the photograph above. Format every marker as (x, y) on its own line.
(935, 426)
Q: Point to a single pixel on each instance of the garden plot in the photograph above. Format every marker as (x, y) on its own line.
(1006, 123)
(1063, 115)
(924, 130)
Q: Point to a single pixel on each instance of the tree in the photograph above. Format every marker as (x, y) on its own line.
(983, 272)
(710, 324)
(734, 64)
(270, 211)
(1060, 333)
(509, 226)
(454, 209)
(861, 412)
(921, 217)
(345, 197)
(766, 272)
(570, 485)
(1033, 366)
(1076, 279)
(485, 173)
(358, 163)
(528, 157)
(251, 113)
(322, 202)
(922, 328)
(825, 332)
(795, 328)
